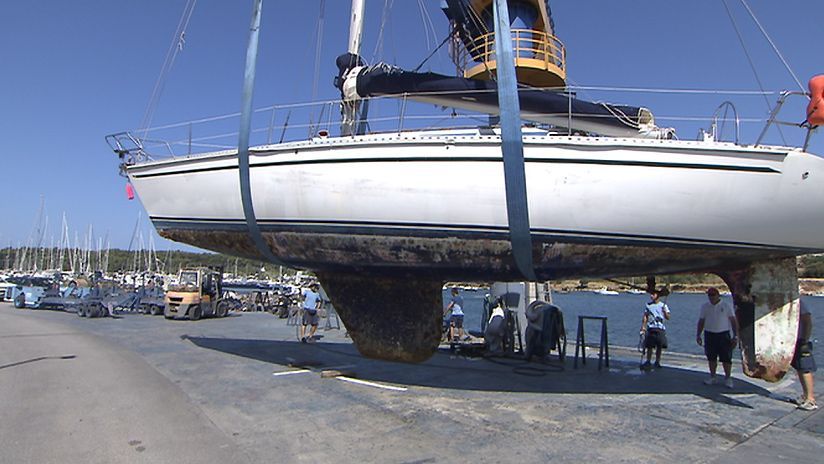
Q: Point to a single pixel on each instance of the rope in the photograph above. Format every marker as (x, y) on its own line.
(576, 88)
(428, 26)
(775, 49)
(174, 48)
(676, 91)
(752, 65)
(318, 46)
(316, 71)
(387, 5)
(621, 116)
(473, 15)
(448, 36)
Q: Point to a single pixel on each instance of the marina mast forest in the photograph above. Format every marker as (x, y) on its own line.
(171, 261)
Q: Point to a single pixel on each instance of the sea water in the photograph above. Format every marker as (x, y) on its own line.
(624, 312)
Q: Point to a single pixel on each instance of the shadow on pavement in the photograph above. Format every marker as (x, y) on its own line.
(41, 358)
(445, 370)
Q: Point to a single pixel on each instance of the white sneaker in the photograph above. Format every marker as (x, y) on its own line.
(808, 406)
(709, 381)
(728, 383)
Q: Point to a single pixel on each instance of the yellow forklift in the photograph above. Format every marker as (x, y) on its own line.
(197, 293)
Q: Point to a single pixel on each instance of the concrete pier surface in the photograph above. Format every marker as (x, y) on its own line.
(243, 389)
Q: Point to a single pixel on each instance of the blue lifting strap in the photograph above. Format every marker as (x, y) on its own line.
(243, 140)
(512, 145)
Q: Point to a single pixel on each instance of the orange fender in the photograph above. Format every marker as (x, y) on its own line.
(815, 110)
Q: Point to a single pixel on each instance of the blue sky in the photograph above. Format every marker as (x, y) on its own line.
(74, 71)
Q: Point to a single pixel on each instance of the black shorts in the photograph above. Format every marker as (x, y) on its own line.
(656, 338)
(718, 346)
(803, 360)
(457, 321)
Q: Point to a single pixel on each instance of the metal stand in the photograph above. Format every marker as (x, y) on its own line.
(330, 314)
(580, 342)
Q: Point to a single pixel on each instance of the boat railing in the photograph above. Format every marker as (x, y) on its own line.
(533, 49)
(399, 114)
(278, 124)
(128, 148)
(774, 121)
(715, 131)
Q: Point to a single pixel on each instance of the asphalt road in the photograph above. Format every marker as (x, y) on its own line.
(144, 389)
(69, 396)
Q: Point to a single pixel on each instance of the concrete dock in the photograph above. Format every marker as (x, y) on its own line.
(243, 389)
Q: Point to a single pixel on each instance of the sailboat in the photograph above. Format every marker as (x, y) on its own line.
(384, 219)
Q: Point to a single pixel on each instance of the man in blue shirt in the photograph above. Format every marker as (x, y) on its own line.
(456, 320)
(652, 326)
(311, 304)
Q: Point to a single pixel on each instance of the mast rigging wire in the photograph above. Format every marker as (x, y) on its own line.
(316, 70)
(475, 17)
(445, 40)
(428, 26)
(752, 64)
(174, 48)
(387, 5)
(318, 47)
(775, 49)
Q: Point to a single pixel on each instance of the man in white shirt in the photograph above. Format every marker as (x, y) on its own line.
(803, 360)
(720, 328)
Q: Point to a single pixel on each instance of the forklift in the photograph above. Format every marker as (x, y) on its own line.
(198, 293)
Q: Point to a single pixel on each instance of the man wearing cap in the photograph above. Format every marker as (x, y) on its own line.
(720, 328)
(311, 304)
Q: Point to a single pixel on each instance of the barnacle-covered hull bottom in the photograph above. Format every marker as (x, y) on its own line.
(387, 289)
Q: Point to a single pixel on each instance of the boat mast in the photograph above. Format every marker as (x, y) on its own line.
(356, 26)
(351, 109)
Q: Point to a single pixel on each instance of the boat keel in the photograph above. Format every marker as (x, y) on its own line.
(389, 318)
(766, 301)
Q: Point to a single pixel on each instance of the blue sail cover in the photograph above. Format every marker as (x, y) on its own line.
(539, 105)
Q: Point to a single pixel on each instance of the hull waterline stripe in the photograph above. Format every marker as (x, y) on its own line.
(452, 230)
(590, 161)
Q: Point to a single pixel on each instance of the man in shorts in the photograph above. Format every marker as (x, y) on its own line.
(720, 328)
(803, 361)
(311, 304)
(654, 330)
(456, 320)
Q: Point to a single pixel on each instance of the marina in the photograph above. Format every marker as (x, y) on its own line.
(543, 176)
(431, 232)
(246, 390)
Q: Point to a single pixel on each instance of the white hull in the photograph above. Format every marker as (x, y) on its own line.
(733, 203)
